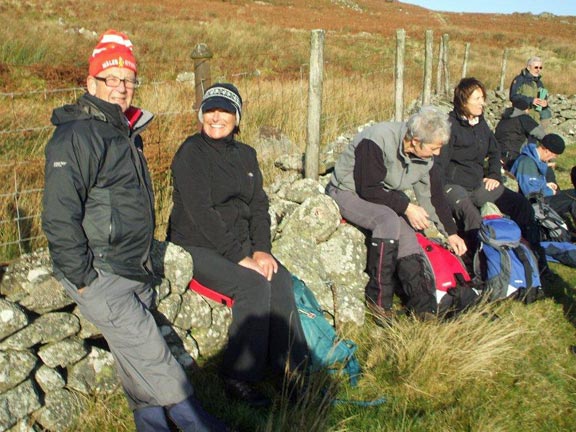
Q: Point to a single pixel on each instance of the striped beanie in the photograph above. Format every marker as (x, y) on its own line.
(224, 96)
(114, 49)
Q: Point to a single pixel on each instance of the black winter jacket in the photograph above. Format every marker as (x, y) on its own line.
(461, 161)
(98, 207)
(219, 201)
(513, 130)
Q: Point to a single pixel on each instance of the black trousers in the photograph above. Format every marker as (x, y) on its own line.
(563, 202)
(265, 329)
(465, 205)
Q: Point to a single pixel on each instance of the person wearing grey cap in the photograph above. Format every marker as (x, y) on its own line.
(220, 215)
(535, 176)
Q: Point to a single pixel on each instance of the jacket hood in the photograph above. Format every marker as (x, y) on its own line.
(87, 107)
(512, 112)
(531, 151)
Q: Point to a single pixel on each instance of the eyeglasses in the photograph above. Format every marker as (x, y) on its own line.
(113, 82)
(537, 67)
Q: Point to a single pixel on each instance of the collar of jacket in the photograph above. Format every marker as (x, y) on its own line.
(220, 144)
(103, 111)
(464, 120)
(527, 74)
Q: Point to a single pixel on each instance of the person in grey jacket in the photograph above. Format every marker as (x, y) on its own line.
(98, 217)
(368, 184)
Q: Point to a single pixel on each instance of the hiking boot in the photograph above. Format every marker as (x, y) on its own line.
(426, 316)
(381, 266)
(417, 285)
(382, 317)
(245, 392)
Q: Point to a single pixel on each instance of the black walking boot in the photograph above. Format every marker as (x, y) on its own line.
(379, 292)
(418, 286)
(532, 235)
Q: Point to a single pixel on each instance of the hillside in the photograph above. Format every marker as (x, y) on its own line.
(169, 28)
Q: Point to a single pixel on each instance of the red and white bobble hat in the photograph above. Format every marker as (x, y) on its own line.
(114, 49)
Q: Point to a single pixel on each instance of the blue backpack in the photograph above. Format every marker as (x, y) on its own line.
(507, 266)
(327, 351)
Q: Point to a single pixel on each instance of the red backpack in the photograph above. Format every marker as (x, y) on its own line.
(454, 288)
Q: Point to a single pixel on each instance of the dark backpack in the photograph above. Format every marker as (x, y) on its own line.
(455, 290)
(506, 265)
(327, 351)
(552, 225)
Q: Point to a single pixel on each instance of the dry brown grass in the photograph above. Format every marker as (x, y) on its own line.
(263, 47)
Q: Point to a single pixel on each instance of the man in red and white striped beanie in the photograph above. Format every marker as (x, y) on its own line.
(98, 217)
(114, 49)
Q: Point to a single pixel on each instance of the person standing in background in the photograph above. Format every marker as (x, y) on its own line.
(528, 86)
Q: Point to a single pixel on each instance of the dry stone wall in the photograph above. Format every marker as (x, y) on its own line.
(52, 359)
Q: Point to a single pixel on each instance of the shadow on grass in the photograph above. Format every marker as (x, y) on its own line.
(556, 286)
(307, 411)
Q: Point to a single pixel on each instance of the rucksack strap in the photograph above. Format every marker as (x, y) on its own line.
(525, 260)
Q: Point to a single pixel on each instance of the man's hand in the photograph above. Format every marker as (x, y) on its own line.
(417, 216)
(490, 184)
(457, 244)
(540, 102)
(553, 186)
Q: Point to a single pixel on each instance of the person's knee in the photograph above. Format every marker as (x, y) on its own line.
(386, 226)
(254, 290)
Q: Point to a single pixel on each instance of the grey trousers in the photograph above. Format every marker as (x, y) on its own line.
(380, 219)
(149, 373)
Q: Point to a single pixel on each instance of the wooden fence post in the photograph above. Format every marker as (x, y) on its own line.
(399, 75)
(465, 62)
(428, 58)
(503, 70)
(314, 104)
(439, 88)
(445, 39)
(202, 79)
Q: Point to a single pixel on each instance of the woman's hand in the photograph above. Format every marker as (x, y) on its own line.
(457, 244)
(417, 216)
(267, 262)
(251, 264)
(491, 184)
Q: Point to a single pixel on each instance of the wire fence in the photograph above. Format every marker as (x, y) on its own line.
(274, 122)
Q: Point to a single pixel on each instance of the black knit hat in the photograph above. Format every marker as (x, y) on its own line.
(554, 143)
(224, 96)
(521, 104)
